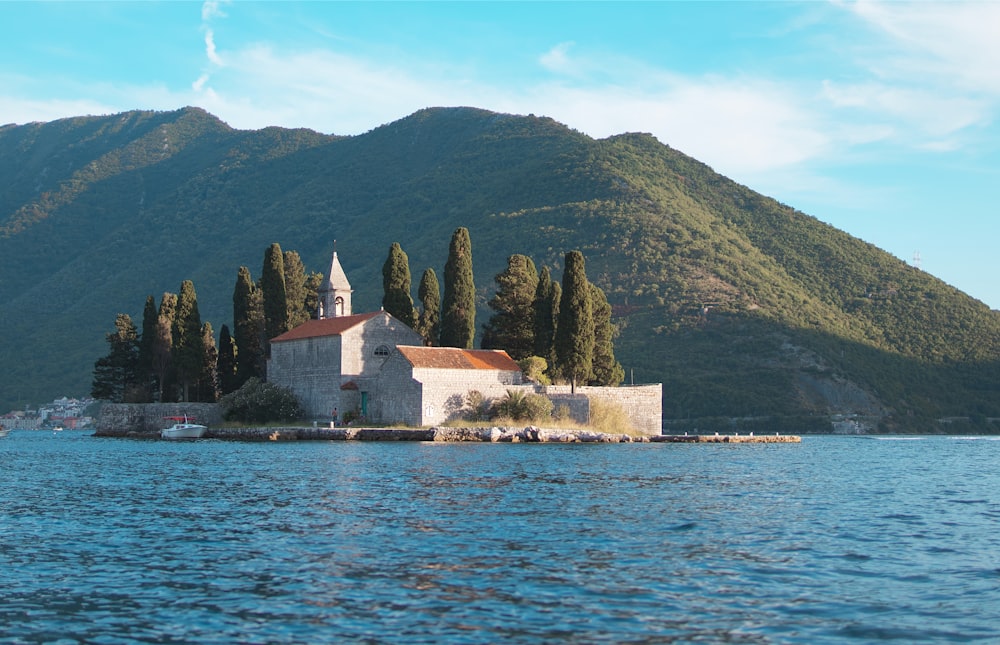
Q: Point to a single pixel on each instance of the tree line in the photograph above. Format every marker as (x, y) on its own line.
(175, 357)
(557, 332)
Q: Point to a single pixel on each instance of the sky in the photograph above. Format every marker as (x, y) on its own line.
(879, 118)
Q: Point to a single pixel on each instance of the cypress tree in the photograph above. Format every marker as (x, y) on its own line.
(115, 374)
(458, 318)
(273, 294)
(512, 327)
(163, 365)
(248, 328)
(146, 376)
(225, 365)
(546, 314)
(429, 293)
(544, 323)
(396, 299)
(208, 381)
(574, 342)
(606, 370)
(188, 349)
(295, 289)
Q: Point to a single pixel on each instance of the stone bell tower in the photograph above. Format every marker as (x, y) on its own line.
(335, 292)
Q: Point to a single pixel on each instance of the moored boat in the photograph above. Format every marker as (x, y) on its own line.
(183, 428)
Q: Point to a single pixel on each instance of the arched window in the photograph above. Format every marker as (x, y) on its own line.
(382, 351)
(338, 305)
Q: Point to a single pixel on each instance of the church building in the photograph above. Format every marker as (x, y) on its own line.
(375, 366)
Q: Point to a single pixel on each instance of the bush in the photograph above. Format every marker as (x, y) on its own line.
(260, 402)
(479, 407)
(609, 418)
(523, 407)
(534, 368)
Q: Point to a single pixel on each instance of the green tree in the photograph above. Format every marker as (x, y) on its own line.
(225, 366)
(429, 323)
(274, 295)
(545, 316)
(512, 326)
(397, 300)
(188, 349)
(458, 319)
(248, 328)
(313, 282)
(146, 375)
(296, 289)
(163, 364)
(606, 370)
(574, 341)
(208, 382)
(115, 374)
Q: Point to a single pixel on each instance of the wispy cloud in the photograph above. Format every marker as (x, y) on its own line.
(210, 10)
(210, 50)
(213, 9)
(931, 71)
(557, 59)
(954, 42)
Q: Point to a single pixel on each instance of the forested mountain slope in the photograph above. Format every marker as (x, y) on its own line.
(741, 306)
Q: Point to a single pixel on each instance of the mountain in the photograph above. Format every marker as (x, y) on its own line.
(743, 307)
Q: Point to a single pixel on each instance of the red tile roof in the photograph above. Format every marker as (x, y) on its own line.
(458, 359)
(324, 327)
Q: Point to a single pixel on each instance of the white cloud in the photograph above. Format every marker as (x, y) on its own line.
(932, 113)
(955, 42)
(557, 59)
(737, 125)
(210, 50)
(199, 84)
(212, 9)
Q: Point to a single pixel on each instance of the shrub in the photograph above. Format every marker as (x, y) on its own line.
(609, 418)
(479, 407)
(537, 407)
(519, 406)
(534, 368)
(260, 402)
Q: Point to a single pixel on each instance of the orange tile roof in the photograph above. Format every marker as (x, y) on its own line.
(458, 359)
(324, 327)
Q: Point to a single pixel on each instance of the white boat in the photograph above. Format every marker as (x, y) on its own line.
(183, 429)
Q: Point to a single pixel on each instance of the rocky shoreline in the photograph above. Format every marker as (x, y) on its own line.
(484, 434)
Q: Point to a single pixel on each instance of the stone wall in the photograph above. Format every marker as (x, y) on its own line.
(310, 367)
(147, 419)
(397, 397)
(444, 390)
(642, 403)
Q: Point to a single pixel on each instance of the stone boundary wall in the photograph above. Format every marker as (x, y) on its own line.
(147, 419)
(642, 403)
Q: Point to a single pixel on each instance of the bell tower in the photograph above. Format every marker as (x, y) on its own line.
(335, 292)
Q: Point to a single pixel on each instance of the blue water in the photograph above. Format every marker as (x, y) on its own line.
(832, 540)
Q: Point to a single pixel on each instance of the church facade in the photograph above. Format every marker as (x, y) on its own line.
(374, 366)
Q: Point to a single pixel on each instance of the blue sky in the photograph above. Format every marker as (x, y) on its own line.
(879, 118)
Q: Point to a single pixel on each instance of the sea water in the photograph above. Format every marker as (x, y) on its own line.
(836, 539)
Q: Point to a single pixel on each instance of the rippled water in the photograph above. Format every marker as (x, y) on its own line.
(835, 539)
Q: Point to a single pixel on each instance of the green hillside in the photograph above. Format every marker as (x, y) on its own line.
(741, 306)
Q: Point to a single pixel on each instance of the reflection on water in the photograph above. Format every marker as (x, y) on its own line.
(834, 539)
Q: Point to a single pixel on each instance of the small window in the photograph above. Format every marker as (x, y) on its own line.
(382, 351)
